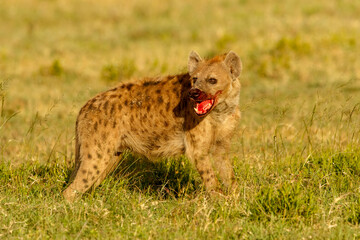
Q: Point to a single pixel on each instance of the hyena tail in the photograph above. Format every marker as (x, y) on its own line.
(77, 159)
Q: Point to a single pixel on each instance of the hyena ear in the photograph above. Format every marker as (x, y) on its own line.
(194, 60)
(233, 61)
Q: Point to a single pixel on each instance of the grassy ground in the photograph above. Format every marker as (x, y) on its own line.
(297, 149)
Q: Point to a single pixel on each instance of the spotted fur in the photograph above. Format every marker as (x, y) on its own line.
(156, 118)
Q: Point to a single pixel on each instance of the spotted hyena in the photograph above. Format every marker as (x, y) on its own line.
(193, 114)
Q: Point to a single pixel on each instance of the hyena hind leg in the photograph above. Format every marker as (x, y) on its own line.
(94, 166)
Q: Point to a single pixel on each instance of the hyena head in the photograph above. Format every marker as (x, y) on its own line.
(212, 80)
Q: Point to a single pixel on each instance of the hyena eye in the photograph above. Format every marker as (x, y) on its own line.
(194, 79)
(212, 80)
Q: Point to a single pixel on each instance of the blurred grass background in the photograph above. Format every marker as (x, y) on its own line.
(300, 96)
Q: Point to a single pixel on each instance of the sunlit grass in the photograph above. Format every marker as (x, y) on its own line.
(296, 150)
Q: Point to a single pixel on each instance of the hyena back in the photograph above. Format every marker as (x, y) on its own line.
(193, 114)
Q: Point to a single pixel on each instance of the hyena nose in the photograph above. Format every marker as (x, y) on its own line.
(194, 93)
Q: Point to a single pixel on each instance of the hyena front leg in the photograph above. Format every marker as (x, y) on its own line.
(206, 171)
(197, 150)
(202, 161)
(223, 165)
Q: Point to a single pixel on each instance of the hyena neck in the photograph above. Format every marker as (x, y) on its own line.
(228, 106)
(223, 109)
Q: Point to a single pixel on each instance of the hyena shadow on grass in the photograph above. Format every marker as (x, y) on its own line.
(168, 178)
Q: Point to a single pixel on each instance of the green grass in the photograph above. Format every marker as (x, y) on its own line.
(296, 151)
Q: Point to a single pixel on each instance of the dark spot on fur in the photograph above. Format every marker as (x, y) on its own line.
(153, 146)
(100, 121)
(123, 86)
(96, 126)
(168, 106)
(218, 142)
(126, 102)
(129, 86)
(83, 171)
(131, 118)
(103, 135)
(201, 172)
(119, 107)
(148, 108)
(113, 90)
(150, 83)
(114, 124)
(86, 185)
(207, 171)
(166, 124)
(117, 154)
(95, 167)
(123, 137)
(89, 156)
(93, 178)
(85, 180)
(160, 99)
(114, 96)
(158, 91)
(105, 122)
(97, 172)
(112, 109)
(106, 104)
(98, 155)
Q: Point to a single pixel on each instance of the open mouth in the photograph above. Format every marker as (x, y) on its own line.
(203, 103)
(203, 107)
